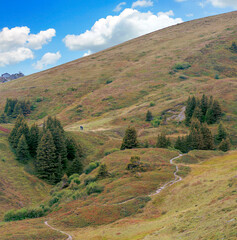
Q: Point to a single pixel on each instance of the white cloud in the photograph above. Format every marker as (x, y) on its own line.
(89, 52)
(14, 56)
(180, 0)
(16, 44)
(189, 15)
(224, 3)
(142, 3)
(118, 8)
(112, 30)
(47, 59)
(169, 13)
(36, 41)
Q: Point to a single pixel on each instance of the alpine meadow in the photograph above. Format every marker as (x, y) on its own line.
(134, 142)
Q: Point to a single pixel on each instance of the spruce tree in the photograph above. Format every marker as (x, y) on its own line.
(178, 144)
(208, 140)
(204, 104)
(162, 141)
(3, 118)
(46, 165)
(217, 112)
(190, 106)
(20, 128)
(225, 145)
(222, 133)
(198, 114)
(73, 149)
(210, 118)
(149, 116)
(17, 110)
(22, 151)
(130, 139)
(76, 166)
(196, 137)
(34, 139)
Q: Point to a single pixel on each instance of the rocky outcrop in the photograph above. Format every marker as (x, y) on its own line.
(5, 77)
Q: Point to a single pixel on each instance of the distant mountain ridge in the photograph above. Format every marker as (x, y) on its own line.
(5, 77)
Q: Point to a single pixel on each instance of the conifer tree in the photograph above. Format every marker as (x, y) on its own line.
(60, 145)
(196, 138)
(208, 141)
(222, 133)
(210, 118)
(130, 139)
(149, 116)
(46, 165)
(34, 139)
(190, 106)
(198, 114)
(3, 118)
(20, 128)
(178, 144)
(76, 166)
(217, 112)
(73, 149)
(204, 104)
(22, 151)
(225, 145)
(162, 141)
(17, 110)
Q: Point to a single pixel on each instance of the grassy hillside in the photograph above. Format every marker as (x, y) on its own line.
(17, 187)
(112, 88)
(108, 91)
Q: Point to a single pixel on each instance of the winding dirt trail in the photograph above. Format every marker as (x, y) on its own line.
(69, 236)
(176, 179)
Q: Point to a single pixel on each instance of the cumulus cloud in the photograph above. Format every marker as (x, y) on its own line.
(180, 0)
(16, 44)
(15, 56)
(48, 59)
(112, 30)
(142, 3)
(224, 3)
(189, 15)
(118, 8)
(36, 41)
(89, 52)
(169, 13)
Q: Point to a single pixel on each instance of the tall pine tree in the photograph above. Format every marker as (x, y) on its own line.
(22, 151)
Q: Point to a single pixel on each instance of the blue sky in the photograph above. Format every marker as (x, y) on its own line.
(37, 35)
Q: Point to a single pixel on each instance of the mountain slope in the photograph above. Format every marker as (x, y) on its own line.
(107, 87)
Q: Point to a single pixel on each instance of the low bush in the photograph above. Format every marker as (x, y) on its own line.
(15, 215)
(91, 167)
(89, 180)
(107, 152)
(181, 66)
(94, 188)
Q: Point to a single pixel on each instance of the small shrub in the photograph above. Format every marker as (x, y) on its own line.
(53, 200)
(109, 81)
(152, 104)
(103, 172)
(156, 122)
(107, 152)
(24, 213)
(89, 180)
(181, 66)
(91, 167)
(39, 99)
(183, 77)
(217, 76)
(73, 177)
(94, 188)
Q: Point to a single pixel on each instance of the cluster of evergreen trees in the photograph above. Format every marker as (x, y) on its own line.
(15, 107)
(199, 138)
(204, 109)
(54, 154)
